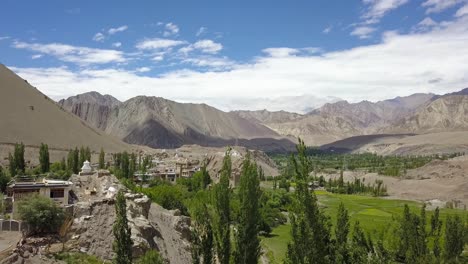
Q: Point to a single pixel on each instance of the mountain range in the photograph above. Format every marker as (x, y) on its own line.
(102, 120)
(158, 122)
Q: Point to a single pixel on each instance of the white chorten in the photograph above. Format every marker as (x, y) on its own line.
(86, 167)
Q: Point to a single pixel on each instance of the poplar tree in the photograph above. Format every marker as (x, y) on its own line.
(82, 155)
(44, 158)
(76, 162)
(221, 214)
(12, 165)
(102, 159)
(122, 233)
(20, 164)
(341, 233)
(88, 154)
(455, 234)
(310, 228)
(202, 231)
(247, 249)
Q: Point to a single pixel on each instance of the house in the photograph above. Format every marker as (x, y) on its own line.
(23, 186)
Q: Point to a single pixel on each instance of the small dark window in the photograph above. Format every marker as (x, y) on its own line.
(57, 193)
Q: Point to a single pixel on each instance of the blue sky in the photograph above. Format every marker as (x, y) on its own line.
(290, 55)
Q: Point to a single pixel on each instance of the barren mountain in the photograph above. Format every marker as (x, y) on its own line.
(92, 107)
(267, 117)
(30, 117)
(447, 113)
(158, 122)
(335, 121)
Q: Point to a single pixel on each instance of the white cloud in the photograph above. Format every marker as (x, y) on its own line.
(36, 56)
(327, 30)
(205, 46)
(68, 53)
(4, 38)
(158, 43)
(363, 32)
(158, 58)
(117, 44)
(463, 11)
(208, 46)
(211, 62)
(399, 65)
(436, 6)
(143, 69)
(425, 25)
(201, 31)
(171, 29)
(99, 37)
(112, 31)
(280, 52)
(376, 9)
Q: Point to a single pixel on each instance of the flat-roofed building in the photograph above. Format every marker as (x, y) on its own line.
(22, 187)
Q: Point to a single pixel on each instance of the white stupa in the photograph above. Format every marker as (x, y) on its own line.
(86, 168)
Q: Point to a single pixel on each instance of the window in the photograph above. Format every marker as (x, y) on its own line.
(57, 193)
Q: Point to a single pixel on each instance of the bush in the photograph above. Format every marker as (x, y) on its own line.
(151, 257)
(168, 196)
(78, 258)
(41, 213)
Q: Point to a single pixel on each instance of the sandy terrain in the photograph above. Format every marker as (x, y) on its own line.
(8, 240)
(400, 144)
(440, 180)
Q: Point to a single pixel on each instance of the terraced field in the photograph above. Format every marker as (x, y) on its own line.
(376, 216)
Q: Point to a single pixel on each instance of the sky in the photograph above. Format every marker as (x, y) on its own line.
(275, 55)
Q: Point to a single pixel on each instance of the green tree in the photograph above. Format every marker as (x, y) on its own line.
(359, 245)
(412, 238)
(19, 158)
(341, 233)
(76, 161)
(41, 213)
(12, 165)
(122, 233)
(4, 179)
(124, 165)
(132, 167)
(88, 154)
(202, 232)
(102, 156)
(247, 249)
(221, 214)
(82, 156)
(436, 228)
(44, 158)
(310, 228)
(454, 237)
(151, 257)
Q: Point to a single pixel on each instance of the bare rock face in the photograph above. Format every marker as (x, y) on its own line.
(174, 246)
(92, 107)
(152, 227)
(91, 231)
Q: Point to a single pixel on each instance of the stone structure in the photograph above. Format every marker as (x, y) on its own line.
(86, 169)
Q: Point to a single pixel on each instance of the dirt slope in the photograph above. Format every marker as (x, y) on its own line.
(30, 117)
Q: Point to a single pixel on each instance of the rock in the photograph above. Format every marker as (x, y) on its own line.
(182, 225)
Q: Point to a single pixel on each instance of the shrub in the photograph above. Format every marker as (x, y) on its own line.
(41, 213)
(151, 257)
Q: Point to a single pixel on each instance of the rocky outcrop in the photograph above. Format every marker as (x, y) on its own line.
(152, 227)
(447, 113)
(92, 107)
(90, 232)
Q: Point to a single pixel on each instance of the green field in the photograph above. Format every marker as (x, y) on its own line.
(375, 215)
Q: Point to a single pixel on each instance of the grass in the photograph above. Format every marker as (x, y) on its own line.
(375, 215)
(79, 258)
